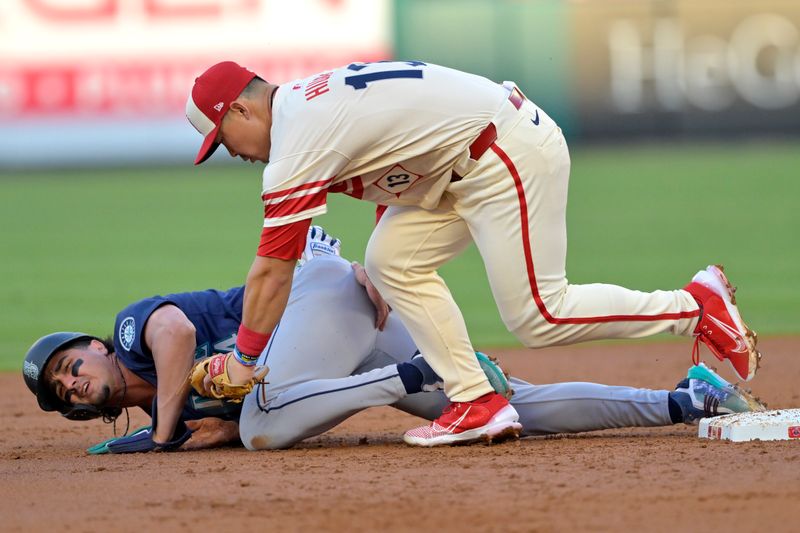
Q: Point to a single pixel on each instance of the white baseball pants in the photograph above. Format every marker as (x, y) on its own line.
(512, 204)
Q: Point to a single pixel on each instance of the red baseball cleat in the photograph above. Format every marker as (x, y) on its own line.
(488, 418)
(721, 327)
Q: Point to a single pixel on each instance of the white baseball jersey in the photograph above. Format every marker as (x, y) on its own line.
(388, 132)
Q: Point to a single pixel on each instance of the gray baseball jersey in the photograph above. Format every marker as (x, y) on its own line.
(327, 362)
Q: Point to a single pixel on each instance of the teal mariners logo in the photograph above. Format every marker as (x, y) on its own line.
(127, 332)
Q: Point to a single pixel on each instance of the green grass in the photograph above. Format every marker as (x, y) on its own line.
(77, 246)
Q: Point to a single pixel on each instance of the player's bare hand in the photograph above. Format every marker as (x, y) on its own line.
(210, 433)
(382, 309)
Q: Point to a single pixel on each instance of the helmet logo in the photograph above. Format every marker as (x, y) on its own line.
(127, 332)
(31, 370)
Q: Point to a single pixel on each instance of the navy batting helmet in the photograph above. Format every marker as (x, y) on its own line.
(36, 359)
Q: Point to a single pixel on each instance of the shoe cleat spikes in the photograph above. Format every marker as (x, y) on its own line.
(753, 336)
(753, 400)
(758, 399)
(731, 288)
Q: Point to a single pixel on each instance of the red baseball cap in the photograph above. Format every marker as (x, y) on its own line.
(211, 98)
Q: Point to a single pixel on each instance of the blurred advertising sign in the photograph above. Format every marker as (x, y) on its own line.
(106, 81)
(716, 66)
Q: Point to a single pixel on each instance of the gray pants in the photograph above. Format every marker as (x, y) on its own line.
(327, 362)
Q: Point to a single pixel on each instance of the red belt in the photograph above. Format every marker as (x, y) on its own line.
(489, 134)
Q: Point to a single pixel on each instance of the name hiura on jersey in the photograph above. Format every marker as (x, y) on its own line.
(387, 132)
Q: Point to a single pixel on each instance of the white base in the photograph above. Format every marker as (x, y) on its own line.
(780, 424)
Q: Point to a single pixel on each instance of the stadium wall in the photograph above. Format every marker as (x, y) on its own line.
(104, 82)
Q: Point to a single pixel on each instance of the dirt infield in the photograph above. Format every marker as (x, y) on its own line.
(361, 477)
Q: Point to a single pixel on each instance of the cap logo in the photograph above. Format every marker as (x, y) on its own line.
(127, 332)
(218, 107)
(31, 370)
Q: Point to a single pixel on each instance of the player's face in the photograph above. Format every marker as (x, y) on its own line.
(82, 375)
(245, 133)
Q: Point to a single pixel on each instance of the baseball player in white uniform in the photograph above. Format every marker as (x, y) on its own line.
(457, 158)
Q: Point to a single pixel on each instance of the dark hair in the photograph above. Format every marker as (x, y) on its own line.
(253, 87)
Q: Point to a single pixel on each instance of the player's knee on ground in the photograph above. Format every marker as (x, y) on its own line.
(255, 438)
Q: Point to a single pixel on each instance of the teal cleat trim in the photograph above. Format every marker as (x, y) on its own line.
(704, 373)
(703, 393)
(497, 378)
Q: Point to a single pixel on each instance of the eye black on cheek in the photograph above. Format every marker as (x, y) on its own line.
(76, 366)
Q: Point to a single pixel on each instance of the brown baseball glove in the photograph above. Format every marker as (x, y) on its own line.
(216, 367)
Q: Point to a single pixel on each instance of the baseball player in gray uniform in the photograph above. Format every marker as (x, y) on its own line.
(327, 360)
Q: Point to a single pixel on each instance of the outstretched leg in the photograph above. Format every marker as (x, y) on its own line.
(514, 204)
(576, 407)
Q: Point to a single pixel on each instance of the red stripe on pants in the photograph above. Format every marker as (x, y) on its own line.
(526, 246)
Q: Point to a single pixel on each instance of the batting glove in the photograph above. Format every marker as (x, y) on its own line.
(142, 439)
(319, 243)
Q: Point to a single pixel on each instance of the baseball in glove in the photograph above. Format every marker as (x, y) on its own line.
(216, 367)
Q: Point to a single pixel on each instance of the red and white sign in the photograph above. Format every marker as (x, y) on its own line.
(121, 58)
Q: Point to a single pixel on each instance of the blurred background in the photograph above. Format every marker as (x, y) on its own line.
(683, 119)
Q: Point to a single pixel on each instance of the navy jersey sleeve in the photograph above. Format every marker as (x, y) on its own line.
(129, 342)
(216, 316)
